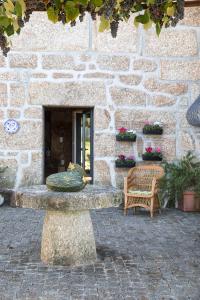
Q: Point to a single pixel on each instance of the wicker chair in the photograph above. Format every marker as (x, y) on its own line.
(140, 188)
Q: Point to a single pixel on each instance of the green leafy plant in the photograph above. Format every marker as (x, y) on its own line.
(180, 176)
(152, 128)
(161, 13)
(125, 135)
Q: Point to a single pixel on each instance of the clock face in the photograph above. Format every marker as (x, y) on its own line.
(11, 126)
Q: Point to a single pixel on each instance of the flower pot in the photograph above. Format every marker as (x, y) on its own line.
(124, 164)
(190, 202)
(125, 138)
(153, 158)
(153, 132)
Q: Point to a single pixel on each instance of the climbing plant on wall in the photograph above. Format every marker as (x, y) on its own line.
(161, 13)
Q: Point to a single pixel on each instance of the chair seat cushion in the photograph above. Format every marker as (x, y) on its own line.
(139, 193)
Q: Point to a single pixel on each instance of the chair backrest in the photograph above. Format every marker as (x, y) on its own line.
(140, 178)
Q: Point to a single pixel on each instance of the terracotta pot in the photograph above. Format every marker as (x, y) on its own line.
(190, 202)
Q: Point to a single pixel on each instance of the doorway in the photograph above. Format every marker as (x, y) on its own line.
(68, 138)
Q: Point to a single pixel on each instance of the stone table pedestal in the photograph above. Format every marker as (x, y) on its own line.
(68, 237)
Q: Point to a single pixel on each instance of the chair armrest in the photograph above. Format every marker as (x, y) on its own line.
(125, 184)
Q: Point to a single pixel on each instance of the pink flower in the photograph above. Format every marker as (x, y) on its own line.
(146, 122)
(149, 149)
(122, 130)
(131, 157)
(158, 149)
(122, 157)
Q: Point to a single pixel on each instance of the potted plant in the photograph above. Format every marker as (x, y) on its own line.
(126, 135)
(152, 154)
(181, 183)
(125, 162)
(153, 128)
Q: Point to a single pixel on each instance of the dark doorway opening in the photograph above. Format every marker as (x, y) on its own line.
(68, 138)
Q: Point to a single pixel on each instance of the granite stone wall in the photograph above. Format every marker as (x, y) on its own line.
(128, 80)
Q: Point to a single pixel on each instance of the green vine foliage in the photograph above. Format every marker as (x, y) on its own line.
(161, 13)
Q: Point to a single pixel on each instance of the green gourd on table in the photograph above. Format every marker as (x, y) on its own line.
(73, 180)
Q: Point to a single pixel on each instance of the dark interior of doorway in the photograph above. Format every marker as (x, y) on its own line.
(68, 138)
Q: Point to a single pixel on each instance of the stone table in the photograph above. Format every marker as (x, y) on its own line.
(68, 237)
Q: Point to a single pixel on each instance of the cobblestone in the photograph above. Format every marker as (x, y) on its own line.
(138, 258)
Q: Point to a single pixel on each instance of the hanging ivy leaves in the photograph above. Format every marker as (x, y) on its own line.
(161, 13)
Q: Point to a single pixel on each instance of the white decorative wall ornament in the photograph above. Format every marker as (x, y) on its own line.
(11, 126)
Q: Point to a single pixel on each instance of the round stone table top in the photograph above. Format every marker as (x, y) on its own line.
(91, 197)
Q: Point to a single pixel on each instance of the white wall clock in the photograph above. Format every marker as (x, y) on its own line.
(11, 126)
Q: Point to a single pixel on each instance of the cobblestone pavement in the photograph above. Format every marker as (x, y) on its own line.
(138, 258)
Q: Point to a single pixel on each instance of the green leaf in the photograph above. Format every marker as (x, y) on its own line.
(150, 2)
(10, 30)
(82, 2)
(171, 11)
(4, 21)
(97, 2)
(144, 19)
(23, 6)
(158, 29)
(148, 25)
(18, 9)
(52, 14)
(71, 11)
(9, 6)
(104, 24)
(136, 23)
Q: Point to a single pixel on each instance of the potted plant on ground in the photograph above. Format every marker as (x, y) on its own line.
(153, 128)
(152, 154)
(181, 183)
(125, 162)
(126, 135)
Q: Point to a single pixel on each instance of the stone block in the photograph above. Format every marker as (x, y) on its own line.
(17, 94)
(68, 93)
(176, 89)
(68, 238)
(180, 70)
(102, 119)
(145, 65)
(40, 34)
(3, 94)
(28, 137)
(102, 173)
(104, 144)
(171, 43)
(98, 75)
(2, 114)
(113, 63)
(8, 178)
(132, 79)
(2, 61)
(10, 76)
(126, 40)
(13, 113)
(58, 62)
(186, 142)
(62, 75)
(127, 96)
(38, 75)
(33, 173)
(22, 60)
(191, 16)
(161, 100)
(33, 113)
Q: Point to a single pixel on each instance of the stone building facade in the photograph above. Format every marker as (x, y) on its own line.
(127, 80)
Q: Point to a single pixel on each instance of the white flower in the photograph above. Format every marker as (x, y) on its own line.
(132, 131)
(157, 123)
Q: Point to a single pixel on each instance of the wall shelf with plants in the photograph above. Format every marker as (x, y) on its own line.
(155, 128)
(125, 135)
(125, 162)
(151, 154)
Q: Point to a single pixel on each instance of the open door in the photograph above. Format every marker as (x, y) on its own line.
(83, 140)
